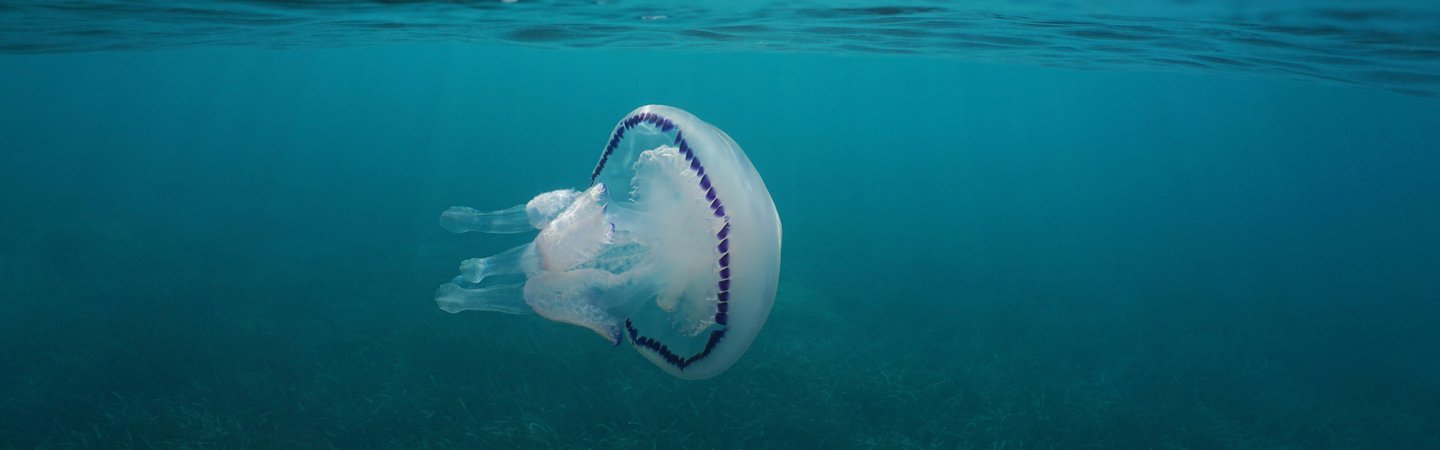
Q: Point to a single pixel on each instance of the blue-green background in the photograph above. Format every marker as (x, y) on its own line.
(237, 247)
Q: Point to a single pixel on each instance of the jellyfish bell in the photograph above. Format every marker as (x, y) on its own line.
(674, 247)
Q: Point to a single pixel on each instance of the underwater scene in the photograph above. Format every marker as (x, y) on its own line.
(720, 224)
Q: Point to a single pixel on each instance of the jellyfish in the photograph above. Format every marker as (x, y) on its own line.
(673, 247)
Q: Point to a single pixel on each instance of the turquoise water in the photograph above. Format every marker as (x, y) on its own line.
(1388, 44)
(220, 224)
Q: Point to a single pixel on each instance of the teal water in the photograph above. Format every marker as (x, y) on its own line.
(231, 241)
(1387, 44)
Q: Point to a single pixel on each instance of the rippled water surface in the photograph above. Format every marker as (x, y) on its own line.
(1387, 44)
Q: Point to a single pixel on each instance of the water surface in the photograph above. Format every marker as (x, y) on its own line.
(1389, 44)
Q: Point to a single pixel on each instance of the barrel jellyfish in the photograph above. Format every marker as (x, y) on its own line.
(673, 247)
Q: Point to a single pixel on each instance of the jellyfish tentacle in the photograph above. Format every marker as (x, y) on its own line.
(505, 298)
(577, 234)
(575, 297)
(464, 219)
(519, 260)
(531, 216)
(544, 208)
(590, 298)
